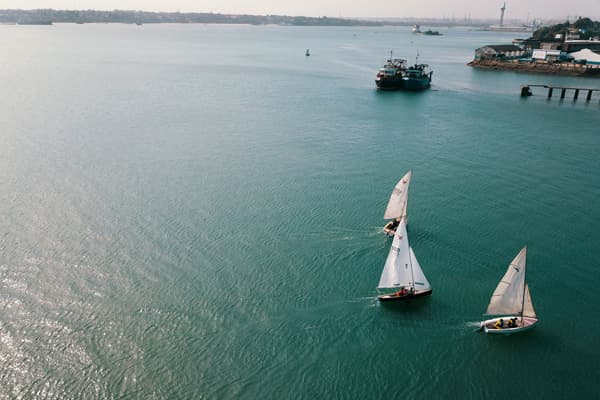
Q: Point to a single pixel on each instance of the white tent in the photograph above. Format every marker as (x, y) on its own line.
(586, 54)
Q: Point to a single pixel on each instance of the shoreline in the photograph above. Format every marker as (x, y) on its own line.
(568, 69)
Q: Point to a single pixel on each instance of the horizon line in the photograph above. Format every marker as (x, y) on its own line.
(457, 19)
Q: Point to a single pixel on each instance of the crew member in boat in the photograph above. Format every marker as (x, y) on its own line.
(499, 324)
(401, 292)
(393, 225)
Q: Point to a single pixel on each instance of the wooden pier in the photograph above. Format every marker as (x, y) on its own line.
(526, 91)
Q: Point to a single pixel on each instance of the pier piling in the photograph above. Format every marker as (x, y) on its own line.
(526, 91)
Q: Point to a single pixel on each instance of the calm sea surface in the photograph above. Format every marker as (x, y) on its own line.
(194, 212)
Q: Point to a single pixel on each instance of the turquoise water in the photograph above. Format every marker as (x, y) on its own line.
(195, 212)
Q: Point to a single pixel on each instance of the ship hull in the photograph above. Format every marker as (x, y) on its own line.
(524, 324)
(389, 83)
(416, 84)
(389, 298)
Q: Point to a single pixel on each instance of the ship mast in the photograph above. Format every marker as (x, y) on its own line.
(502, 14)
(523, 301)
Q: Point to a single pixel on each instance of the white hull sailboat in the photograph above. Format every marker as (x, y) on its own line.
(402, 277)
(396, 208)
(511, 307)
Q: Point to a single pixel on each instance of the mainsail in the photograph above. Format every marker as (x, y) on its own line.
(508, 296)
(401, 267)
(398, 202)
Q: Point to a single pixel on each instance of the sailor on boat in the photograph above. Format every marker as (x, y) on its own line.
(392, 225)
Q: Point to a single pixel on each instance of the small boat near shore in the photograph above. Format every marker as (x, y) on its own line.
(402, 278)
(511, 303)
(397, 204)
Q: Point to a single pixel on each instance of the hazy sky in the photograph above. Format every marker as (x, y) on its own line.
(338, 8)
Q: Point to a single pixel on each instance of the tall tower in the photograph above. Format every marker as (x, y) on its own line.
(502, 14)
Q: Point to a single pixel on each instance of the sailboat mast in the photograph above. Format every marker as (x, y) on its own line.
(412, 274)
(524, 287)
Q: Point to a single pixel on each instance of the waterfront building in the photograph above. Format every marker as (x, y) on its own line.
(575, 45)
(547, 55)
(499, 52)
(586, 55)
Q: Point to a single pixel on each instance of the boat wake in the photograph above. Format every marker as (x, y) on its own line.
(474, 325)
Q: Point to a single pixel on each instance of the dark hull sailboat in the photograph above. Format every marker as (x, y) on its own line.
(402, 278)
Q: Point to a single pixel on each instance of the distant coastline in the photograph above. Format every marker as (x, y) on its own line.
(146, 17)
(13, 16)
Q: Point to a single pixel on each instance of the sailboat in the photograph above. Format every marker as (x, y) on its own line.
(396, 208)
(402, 277)
(511, 303)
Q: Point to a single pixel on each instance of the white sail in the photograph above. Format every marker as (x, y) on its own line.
(397, 272)
(398, 202)
(528, 310)
(508, 296)
(421, 282)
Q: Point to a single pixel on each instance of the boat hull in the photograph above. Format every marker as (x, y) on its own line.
(416, 84)
(389, 83)
(411, 84)
(388, 298)
(489, 325)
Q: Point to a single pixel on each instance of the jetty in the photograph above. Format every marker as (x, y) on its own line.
(526, 91)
